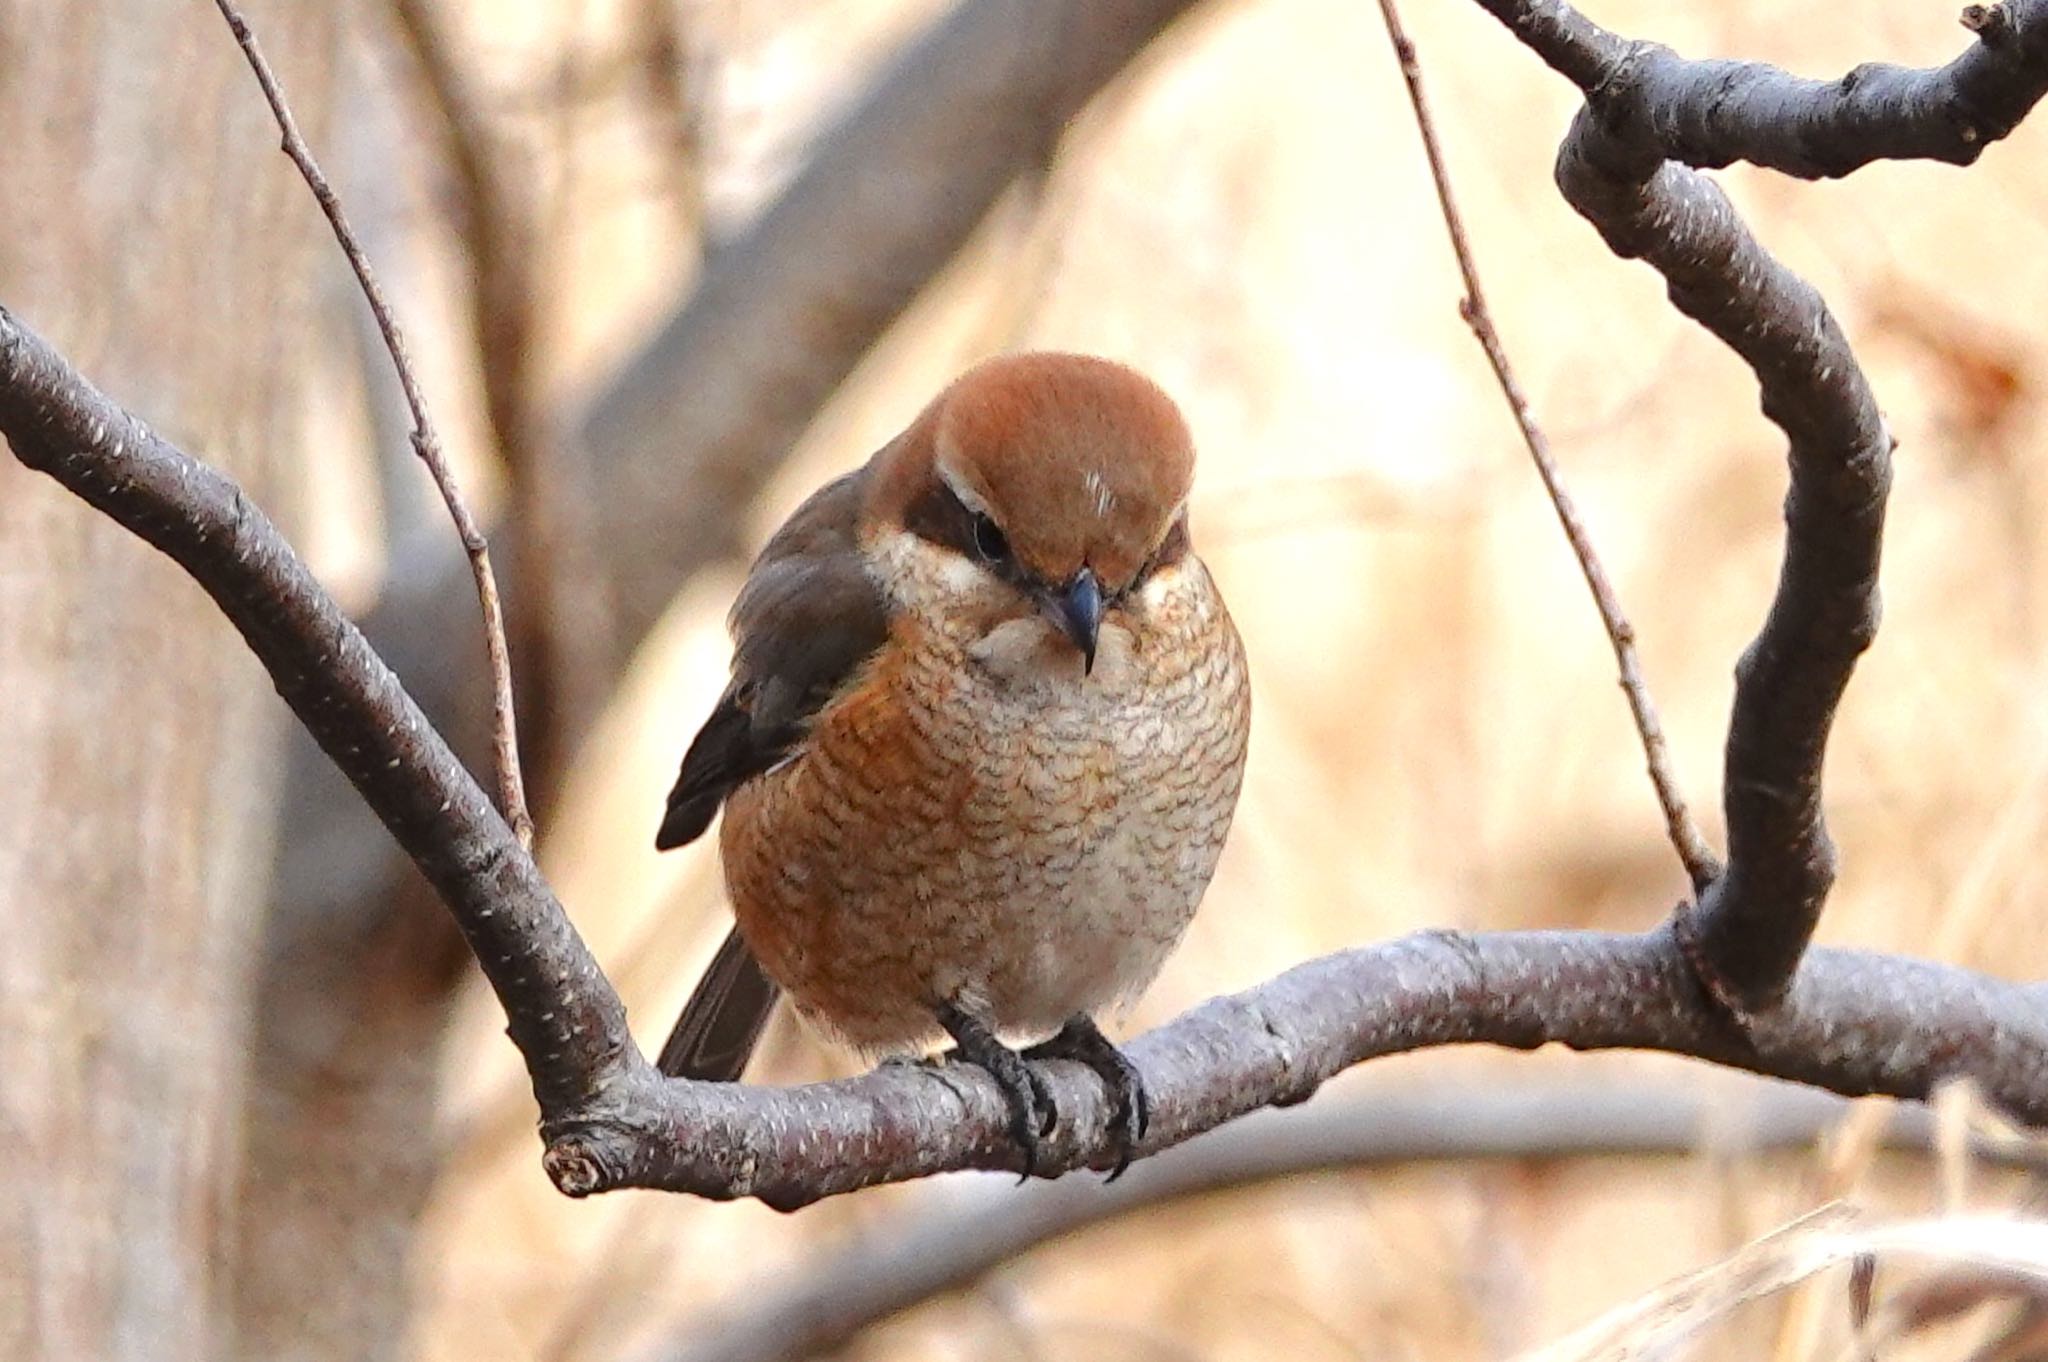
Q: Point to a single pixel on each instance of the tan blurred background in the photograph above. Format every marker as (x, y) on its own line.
(1244, 214)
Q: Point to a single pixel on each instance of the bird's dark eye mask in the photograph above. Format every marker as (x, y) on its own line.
(938, 516)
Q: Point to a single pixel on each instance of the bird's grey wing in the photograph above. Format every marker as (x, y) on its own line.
(807, 619)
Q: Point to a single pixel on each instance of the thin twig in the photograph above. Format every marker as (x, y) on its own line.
(497, 218)
(511, 787)
(1701, 864)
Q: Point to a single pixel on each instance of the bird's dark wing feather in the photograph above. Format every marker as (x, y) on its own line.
(807, 619)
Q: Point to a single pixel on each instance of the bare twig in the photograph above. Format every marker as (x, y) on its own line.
(1702, 866)
(511, 788)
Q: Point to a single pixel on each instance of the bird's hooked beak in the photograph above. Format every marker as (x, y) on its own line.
(1077, 609)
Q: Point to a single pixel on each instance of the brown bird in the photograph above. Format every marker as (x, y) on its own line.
(983, 738)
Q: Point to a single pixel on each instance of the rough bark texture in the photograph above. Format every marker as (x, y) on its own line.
(141, 744)
(1753, 922)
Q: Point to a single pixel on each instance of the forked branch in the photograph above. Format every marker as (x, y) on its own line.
(1627, 166)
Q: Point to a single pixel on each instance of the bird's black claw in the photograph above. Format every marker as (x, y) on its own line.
(1048, 1114)
(1032, 1113)
(1130, 1114)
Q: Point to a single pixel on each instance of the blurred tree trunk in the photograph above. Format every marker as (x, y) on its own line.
(154, 233)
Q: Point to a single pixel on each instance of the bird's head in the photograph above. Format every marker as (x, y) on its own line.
(1038, 486)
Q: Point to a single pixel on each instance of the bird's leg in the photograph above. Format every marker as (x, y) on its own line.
(1131, 1110)
(1032, 1114)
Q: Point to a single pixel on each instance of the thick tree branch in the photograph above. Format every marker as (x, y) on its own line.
(1854, 1023)
(1751, 925)
(1714, 113)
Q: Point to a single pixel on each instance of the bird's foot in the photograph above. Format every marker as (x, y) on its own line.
(1082, 1040)
(1032, 1114)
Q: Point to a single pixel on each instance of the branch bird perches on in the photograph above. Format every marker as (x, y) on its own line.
(1849, 1021)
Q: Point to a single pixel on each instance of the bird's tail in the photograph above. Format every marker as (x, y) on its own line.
(715, 1036)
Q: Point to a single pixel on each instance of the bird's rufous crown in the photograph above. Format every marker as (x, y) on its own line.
(1078, 461)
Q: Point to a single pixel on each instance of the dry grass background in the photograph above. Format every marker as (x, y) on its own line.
(1438, 736)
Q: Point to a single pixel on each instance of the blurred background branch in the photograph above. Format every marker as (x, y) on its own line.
(820, 1307)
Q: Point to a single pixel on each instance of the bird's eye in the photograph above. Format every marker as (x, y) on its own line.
(989, 540)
